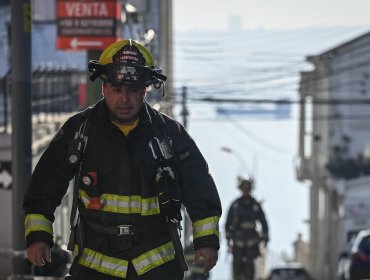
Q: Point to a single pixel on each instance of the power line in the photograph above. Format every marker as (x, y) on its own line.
(285, 101)
(295, 119)
(361, 49)
(258, 140)
(314, 118)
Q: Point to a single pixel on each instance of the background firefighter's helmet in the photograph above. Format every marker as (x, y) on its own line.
(245, 183)
(127, 62)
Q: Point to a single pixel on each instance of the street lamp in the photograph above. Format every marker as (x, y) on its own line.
(241, 161)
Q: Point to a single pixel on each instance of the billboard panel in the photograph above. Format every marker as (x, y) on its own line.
(87, 24)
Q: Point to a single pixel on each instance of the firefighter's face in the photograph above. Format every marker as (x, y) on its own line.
(246, 191)
(123, 102)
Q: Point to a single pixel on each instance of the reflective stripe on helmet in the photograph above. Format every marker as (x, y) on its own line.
(102, 263)
(154, 258)
(133, 204)
(37, 222)
(206, 227)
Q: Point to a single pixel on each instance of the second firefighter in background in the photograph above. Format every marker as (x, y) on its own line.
(242, 236)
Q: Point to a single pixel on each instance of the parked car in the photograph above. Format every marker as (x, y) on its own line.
(289, 272)
(344, 260)
(359, 264)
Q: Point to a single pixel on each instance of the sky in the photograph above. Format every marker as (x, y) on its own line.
(277, 36)
(277, 14)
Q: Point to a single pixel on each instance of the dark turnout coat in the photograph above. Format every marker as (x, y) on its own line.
(125, 174)
(241, 221)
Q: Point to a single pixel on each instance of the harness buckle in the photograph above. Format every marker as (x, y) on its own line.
(125, 230)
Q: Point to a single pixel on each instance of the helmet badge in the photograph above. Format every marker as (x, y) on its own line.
(129, 54)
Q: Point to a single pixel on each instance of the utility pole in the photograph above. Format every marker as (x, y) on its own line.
(93, 90)
(21, 128)
(166, 51)
(184, 111)
(184, 114)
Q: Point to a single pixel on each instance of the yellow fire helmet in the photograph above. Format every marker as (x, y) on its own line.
(127, 62)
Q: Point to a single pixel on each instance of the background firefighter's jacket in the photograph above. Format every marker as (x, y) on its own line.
(124, 170)
(241, 220)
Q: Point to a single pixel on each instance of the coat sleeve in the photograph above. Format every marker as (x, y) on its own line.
(229, 222)
(198, 190)
(48, 184)
(262, 219)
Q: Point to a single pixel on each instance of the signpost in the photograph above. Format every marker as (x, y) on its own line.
(5, 175)
(90, 25)
(87, 24)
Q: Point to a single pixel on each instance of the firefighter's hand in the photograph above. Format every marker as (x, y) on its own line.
(38, 253)
(206, 256)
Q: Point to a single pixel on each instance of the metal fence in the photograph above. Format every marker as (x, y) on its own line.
(54, 90)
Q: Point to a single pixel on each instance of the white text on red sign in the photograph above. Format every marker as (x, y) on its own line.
(89, 9)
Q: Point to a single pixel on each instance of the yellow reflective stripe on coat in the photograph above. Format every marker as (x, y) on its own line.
(207, 226)
(37, 222)
(104, 264)
(154, 258)
(125, 204)
(246, 243)
(247, 225)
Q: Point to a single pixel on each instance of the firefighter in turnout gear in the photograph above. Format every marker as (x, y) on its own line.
(242, 237)
(133, 168)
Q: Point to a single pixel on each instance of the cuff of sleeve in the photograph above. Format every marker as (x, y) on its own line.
(39, 236)
(207, 241)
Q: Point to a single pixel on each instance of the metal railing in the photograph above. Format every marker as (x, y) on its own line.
(54, 90)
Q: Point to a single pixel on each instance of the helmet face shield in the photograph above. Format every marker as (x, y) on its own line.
(124, 73)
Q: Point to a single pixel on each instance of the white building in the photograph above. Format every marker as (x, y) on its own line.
(334, 149)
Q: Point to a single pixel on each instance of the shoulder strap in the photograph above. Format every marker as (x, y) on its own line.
(80, 138)
(77, 236)
(162, 125)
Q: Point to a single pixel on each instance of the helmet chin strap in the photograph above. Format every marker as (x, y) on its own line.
(163, 90)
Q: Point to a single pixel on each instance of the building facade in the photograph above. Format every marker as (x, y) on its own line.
(334, 148)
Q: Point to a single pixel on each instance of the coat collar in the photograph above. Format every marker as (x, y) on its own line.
(99, 112)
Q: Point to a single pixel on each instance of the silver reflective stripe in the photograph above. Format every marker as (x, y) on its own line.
(121, 204)
(207, 226)
(239, 243)
(247, 225)
(246, 243)
(253, 242)
(104, 264)
(125, 204)
(154, 258)
(150, 206)
(37, 222)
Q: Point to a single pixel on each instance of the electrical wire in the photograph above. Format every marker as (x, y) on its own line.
(255, 138)
(338, 71)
